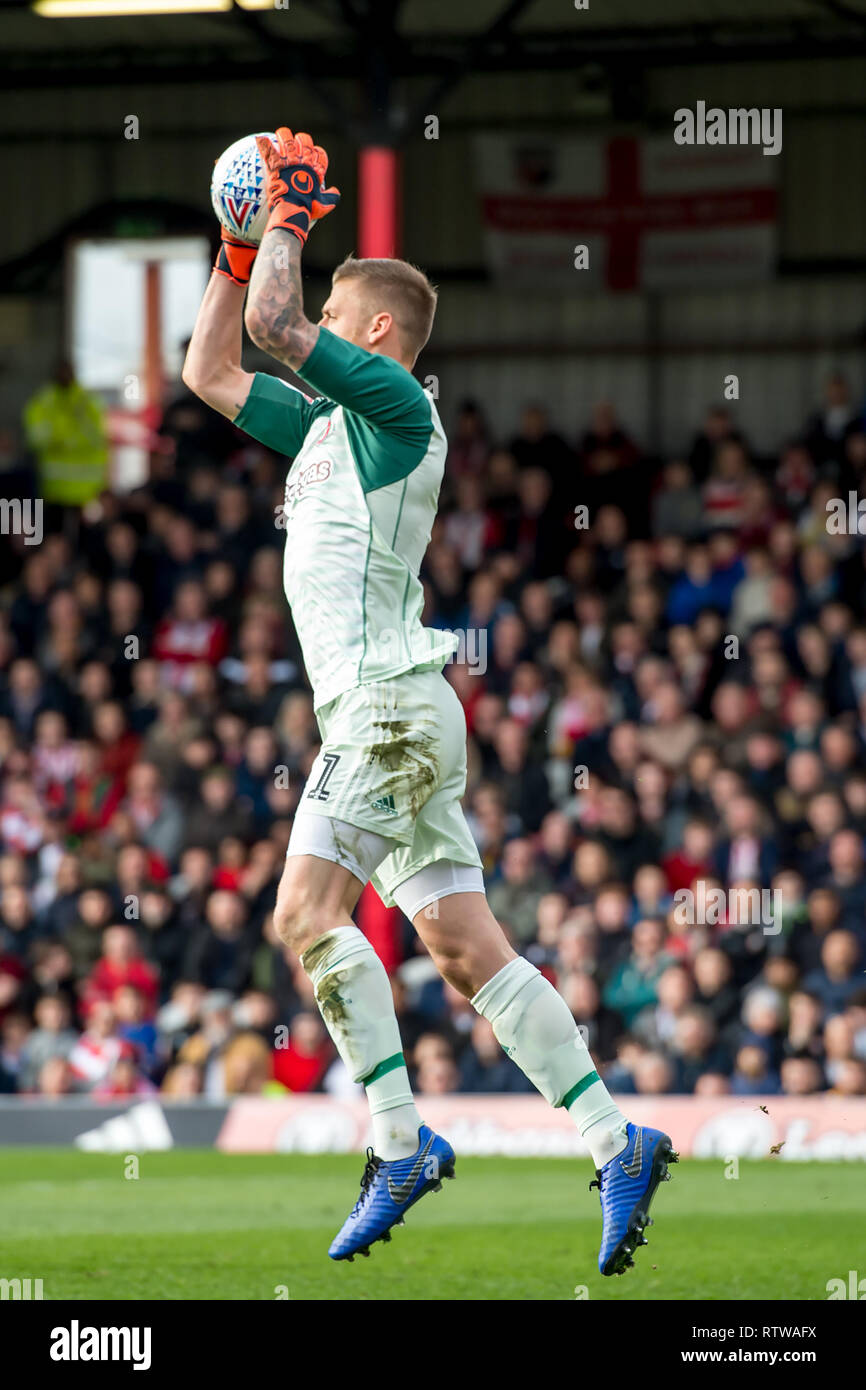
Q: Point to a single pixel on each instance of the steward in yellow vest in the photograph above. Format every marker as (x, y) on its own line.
(64, 426)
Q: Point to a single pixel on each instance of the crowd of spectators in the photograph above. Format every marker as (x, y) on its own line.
(665, 694)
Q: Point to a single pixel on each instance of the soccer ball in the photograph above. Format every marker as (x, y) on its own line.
(237, 189)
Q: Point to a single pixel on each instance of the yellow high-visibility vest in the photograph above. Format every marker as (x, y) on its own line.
(65, 428)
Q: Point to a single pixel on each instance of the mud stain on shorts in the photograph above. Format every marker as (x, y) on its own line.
(408, 754)
(347, 845)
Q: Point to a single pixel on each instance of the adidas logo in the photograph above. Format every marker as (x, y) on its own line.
(143, 1127)
(386, 804)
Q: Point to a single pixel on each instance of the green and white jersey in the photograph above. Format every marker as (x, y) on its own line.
(361, 497)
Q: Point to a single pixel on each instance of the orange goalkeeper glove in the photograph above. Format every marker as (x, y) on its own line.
(295, 172)
(235, 259)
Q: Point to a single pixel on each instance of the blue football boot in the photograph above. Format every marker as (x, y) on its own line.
(627, 1185)
(388, 1189)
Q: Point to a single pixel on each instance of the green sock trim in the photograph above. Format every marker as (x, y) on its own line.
(389, 1064)
(583, 1085)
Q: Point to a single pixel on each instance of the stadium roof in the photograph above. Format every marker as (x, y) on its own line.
(439, 39)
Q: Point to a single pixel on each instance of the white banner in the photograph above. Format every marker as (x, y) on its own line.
(651, 214)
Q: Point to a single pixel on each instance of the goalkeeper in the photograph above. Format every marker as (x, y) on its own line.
(382, 801)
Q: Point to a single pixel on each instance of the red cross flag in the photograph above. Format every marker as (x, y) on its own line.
(651, 214)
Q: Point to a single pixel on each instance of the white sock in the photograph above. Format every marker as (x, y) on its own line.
(355, 1000)
(535, 1028)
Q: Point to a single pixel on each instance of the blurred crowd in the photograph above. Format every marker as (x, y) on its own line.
(664, 677)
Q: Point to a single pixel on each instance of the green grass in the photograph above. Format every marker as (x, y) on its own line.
(205, 1225)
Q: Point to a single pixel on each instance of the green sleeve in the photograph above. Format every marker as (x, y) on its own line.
(278, 415)
(388, 416)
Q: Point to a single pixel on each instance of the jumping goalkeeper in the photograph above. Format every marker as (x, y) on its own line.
(382, 802)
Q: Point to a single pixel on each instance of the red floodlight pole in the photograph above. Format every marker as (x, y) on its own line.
(379, 201)
(381, 134)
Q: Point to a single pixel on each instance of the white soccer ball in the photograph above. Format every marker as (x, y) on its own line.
(237, 189)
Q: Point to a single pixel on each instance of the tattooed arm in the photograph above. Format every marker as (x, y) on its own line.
(275, 306)
(212, 369)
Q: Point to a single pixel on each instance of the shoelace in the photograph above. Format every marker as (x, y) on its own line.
(371, 1168)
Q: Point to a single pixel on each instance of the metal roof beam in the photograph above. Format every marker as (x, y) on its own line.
(441, 57)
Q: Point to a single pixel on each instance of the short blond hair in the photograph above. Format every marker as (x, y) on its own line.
(399, 287)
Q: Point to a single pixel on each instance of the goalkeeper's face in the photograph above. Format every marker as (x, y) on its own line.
(348, 313)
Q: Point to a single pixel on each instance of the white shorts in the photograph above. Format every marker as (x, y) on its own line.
(363, 852)
(393, 763)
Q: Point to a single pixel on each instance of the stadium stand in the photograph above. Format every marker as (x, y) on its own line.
(669, 700)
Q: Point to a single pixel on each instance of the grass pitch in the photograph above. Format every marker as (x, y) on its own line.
(198, 1224)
